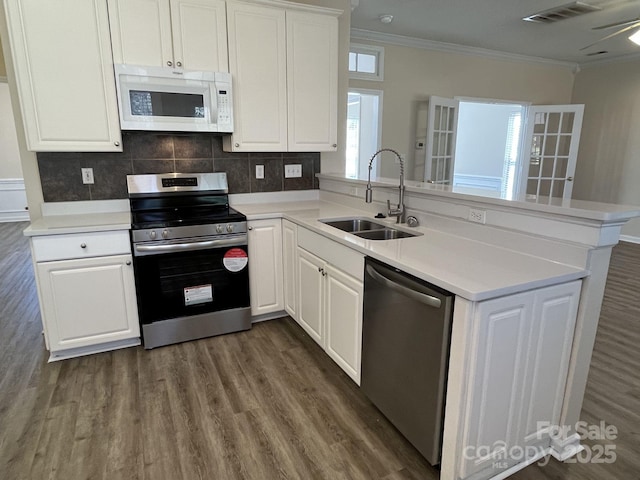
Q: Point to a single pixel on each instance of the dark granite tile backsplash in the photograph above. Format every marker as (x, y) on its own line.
(145, 152)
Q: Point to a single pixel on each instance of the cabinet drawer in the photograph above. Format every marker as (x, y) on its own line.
(96, 244)
(349, 261)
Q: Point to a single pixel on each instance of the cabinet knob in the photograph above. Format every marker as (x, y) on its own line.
(237, 144)
(128, 262)
(178, 64)
(250, 228)
(169, 63)
(117, 144)
(83, 245)
(569, 179)
(335, 145)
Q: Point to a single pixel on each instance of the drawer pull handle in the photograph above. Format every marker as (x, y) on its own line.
(83, 245)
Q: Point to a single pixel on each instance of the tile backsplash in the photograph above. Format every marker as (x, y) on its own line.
(145, 152)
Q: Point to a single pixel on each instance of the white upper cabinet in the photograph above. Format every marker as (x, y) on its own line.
(257, 61)
(284, 64)
(190, 34)
(64, 74)
(312, 82)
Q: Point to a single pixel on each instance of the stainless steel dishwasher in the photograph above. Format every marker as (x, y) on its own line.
(405, 350)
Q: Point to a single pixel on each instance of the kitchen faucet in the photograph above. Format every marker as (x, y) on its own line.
(398, 212)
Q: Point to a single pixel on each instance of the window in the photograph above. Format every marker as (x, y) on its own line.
(364, 117)
(366, 62)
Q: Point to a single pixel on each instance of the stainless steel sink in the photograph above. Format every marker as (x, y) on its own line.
(353, 224)
(385, 234)
(365, 228)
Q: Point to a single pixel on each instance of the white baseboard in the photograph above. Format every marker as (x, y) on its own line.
(13, 200)
(629, 238)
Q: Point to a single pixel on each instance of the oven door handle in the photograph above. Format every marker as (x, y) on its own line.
(188, 246)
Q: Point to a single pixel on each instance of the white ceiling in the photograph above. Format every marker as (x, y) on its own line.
(498, 25)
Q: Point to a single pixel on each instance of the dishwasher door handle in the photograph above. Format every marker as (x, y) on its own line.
(429, 300)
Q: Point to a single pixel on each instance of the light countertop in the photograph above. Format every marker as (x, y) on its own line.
(468, 268)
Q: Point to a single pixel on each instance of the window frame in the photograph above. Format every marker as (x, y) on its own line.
(374, 50)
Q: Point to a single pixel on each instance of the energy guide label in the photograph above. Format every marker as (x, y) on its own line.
(235, 259)
(198, 294)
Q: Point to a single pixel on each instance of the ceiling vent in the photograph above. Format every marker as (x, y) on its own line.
(562, 12)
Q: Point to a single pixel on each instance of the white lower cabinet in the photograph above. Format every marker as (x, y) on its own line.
(88, 303)
(330, 298)
(517, 375)
(265, 266)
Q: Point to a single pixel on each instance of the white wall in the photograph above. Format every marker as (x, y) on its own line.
(608, 166)
(412, 74)
(13, 199)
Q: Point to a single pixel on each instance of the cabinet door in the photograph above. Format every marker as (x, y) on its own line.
(257, 62)
(64, 70)
(497, 380)
(312, 81)
(310, 294)
(200, 34)
(343, 333)
(265, 266)
(555, 313)
(289, 256)
(88, 301)
(141, 32)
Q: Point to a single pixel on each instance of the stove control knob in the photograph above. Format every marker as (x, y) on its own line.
(229, 227)
(153, 234)
(165, 233)
(219, 228)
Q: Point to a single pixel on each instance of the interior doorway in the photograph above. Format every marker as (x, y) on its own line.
(364, 128)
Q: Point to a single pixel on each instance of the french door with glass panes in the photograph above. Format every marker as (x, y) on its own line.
(442, 122)
(550, 152)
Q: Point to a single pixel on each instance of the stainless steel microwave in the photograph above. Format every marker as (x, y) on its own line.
(167, 99)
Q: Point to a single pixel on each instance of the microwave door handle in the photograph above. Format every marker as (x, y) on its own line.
(185, 247)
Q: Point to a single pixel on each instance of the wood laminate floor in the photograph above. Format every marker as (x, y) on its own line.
(262, 404)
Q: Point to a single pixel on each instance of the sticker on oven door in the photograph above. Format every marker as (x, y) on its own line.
(198, 294)
(235, 259)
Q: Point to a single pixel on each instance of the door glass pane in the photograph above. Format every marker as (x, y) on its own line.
(561, 168)
(547, 167)
(436, 143)
(449, 144)
(564, 143)
(443, 144)
(539, 122)
(436, 117)
(545, 188)
(554, 122)
(532, 187)
(536, 145)
(567, 122)
(444, 119)
(558, 188)
(451, 117)
(550, 144)
(534, 167)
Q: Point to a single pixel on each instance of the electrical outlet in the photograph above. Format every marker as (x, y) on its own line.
(477, 216)
(259, 171)
(87, 176)
(293, 171)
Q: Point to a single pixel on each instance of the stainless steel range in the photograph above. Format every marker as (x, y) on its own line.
(190, 257)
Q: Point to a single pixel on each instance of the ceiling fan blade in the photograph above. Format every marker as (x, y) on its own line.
(614, 34)
(617, 24)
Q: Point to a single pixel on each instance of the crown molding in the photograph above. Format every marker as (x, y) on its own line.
(401, 40)
(606, 61)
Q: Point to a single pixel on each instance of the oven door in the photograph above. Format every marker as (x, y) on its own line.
(187, 278)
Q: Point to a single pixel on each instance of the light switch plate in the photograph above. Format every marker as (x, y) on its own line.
(293, 170)
(259, 171)
(87, 176)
